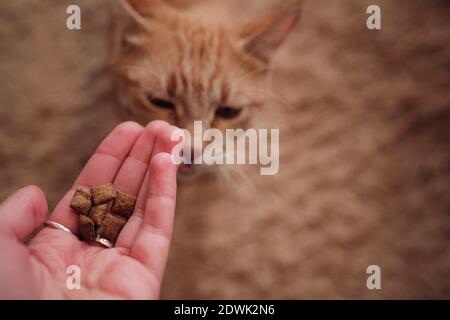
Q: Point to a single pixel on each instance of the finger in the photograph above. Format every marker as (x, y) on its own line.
(134, 173)
(101, 168)
(129, 232)
(131, 174)
(152, 243)
(104, 164)
(128, 235)
(164, 144)
(22, 213)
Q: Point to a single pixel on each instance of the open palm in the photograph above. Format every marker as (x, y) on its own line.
(137, 161)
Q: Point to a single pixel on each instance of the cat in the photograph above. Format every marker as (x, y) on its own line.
(364, 166)
(169, 65)
(364, 170)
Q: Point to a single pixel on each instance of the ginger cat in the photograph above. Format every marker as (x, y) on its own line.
(364, 161)
(182, 67)
(177, 67)
(350, 192)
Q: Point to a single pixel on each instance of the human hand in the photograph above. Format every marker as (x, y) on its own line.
(136, 161)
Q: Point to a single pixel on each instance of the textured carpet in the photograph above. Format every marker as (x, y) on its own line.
(365, 163)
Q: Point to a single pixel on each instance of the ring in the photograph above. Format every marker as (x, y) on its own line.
(104, 242)
(56, 225)
(59, 226)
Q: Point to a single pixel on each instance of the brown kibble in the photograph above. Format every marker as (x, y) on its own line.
(103, 193)
(98, 213)
(111, 227)
(81, 202)
(87, 228)
(124, 204)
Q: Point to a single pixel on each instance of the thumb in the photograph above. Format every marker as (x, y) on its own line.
(23, 212)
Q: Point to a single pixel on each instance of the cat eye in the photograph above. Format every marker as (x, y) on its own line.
(228, 112)
(162, 104)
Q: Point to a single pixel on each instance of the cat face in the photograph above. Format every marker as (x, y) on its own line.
(174, 67)
(193, 73)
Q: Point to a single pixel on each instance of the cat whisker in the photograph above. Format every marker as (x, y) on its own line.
(135, 67)
(248, 74)
(223, 175)
(272, 94)
(236, 175)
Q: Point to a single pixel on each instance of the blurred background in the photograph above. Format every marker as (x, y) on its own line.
(365, 163)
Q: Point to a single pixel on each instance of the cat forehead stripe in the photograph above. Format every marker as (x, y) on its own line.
(198, 66)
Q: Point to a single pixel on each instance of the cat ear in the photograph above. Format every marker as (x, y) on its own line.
(262, 38)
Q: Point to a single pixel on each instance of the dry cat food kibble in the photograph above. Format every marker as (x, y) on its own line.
(103, 193)
(103, 213)
(111, 226)
(81, 202)
(98, 212)
(124, 204)
(87, 228)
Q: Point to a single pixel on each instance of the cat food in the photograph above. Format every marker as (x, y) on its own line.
(124, 204)
(103, 213)
(81, 202)
(111, 226)
(98, 212)
(87, 228)
(103, 193)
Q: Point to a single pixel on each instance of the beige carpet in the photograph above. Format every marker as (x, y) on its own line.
(365, 166)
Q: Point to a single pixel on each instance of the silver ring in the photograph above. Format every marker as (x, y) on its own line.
(58, 226)
(104, 242)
